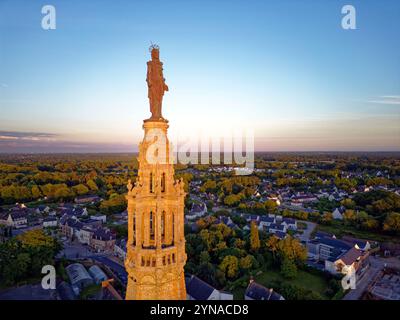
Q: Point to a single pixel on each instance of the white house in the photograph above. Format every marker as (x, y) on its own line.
(337, 214)
(50, 222)
(15, 219)
(266, 221)
(84, 234)
(100, 217)
(273, 228)
(198, 210)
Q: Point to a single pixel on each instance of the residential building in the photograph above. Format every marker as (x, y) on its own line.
(100, 217)
(256, 291)
(16, 219)
(273, 228)
(197, 289)
(266, 221)
(120, 249)
(103, 240)
(198, 210)
(337, 214)
(87, 199)
(353, 259)
(290, 224)
(50, 222)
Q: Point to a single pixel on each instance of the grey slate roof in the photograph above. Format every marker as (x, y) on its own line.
(197, 288)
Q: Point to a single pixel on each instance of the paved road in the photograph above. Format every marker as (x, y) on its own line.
(118, 269)
(28, 292)
(74, 251)
(305, 236)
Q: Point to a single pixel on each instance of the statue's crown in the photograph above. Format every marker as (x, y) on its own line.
(154, 47)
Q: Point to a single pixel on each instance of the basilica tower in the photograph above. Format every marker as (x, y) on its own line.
(156, 242)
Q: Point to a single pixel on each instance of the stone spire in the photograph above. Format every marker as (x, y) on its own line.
(156, 243)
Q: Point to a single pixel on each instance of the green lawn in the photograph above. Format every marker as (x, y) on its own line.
(340, 229)
(304, 280)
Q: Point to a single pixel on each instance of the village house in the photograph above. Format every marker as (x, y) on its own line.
(87, 199)
(197, 289)
(120, 249)
(363, 245)
(198, 210)
(273, 228)
(352, 260)
(337, 214)
(43, 209)
(103, 240)
(100, 217)
(325, 248)
(266, 221)
(16, 219)
(256, 291)
(50, 222)
(227, 221)
(290, 223)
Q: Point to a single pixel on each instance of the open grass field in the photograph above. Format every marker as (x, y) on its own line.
(304, 280)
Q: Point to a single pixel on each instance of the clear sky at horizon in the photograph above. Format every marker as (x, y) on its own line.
(284, 69)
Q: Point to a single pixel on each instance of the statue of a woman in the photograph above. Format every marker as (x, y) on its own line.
(156, 83)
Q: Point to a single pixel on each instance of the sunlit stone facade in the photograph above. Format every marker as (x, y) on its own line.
(156, 243)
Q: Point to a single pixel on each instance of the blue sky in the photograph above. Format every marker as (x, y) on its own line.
(285, 69)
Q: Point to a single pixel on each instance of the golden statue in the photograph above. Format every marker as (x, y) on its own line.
(156, 83)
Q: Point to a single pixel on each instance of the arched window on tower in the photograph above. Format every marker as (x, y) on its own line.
(151, 182)
(163, 182)
(173, 228)
(134, 228)
(163, 226)
(151, 225)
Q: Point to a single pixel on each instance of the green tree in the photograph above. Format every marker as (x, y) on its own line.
(36, 193)
(246, 262)
(348, 203)
(270, 206)
(288, 268)
(204, 257)
(392, 222)
(254, 237)
(80, 189)
(230, 266)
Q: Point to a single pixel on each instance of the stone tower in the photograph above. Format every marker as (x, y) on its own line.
(156, 242)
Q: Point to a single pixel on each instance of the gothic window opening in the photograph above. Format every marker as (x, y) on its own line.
(151, 182)
(151, 226)
(173, 227)
(163, 225)
(163, 182)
